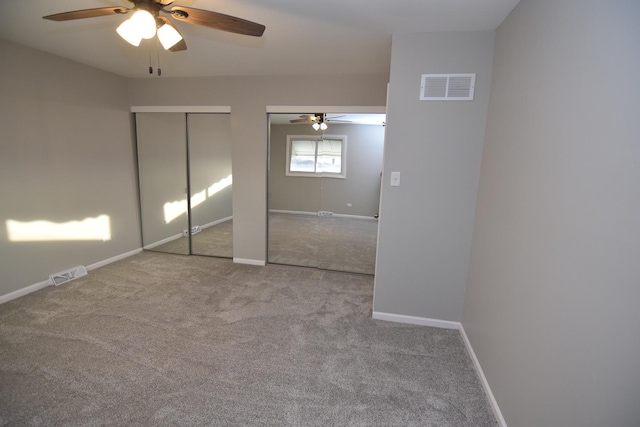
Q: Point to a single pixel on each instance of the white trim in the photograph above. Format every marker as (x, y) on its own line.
(180, 109)
(369, 109)
(24, 291)
(412, 320)
(249, 261)
(354, 216)
(163, 241)
(219, 221)
(41, 285)
(293, 212)
(113, 259)
(316, 214)
(483, 379)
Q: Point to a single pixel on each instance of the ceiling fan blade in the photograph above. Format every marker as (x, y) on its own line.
(306, 119)
(217, 21)
(87, 13)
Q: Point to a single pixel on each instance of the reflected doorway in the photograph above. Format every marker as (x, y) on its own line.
(324, 190)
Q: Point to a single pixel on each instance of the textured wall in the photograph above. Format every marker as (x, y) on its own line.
(66, 155)
(551, 301)
(361, 188)
(426, 223)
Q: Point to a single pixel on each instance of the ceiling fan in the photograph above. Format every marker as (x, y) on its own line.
(147, 21)
(319, 120)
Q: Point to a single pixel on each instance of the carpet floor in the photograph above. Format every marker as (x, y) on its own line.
(330, 243)
(160, 339)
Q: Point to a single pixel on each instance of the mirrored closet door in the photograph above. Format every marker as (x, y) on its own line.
(184, 166)
(324, 191)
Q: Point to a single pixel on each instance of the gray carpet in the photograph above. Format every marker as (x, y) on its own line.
(330, 243)
(159, 339)
(216, 240)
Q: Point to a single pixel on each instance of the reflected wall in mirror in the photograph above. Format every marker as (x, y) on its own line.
(326, 216)
(182, 154)
(210, 181)
(162, 174)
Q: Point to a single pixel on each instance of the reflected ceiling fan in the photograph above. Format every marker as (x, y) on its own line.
(147, 21)
(319, 120)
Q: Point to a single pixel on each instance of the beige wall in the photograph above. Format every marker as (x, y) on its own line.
(248, 98)
(360, 188)
(551, 305)
(66, 154)
(426, 223)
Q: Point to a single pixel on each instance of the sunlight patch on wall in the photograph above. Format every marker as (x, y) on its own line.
(98, 228)
(220, 185)
(198, 198)
(173, 210)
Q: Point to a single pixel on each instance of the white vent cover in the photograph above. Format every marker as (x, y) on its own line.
(68, 275)
(450, 87)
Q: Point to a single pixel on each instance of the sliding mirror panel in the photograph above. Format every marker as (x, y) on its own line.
(210, 182)
(324, 191)
(351, 159)
(162, 170)
(294, 194)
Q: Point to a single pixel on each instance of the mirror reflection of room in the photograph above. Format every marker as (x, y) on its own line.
(184, 166)
(324, 190)
(211, 184)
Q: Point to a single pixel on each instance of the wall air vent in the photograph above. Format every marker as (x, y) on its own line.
(68, 275)
(449, 87)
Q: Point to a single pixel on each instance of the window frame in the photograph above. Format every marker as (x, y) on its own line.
(343, 156)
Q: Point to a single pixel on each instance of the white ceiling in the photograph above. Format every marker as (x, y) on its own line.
(302, 36)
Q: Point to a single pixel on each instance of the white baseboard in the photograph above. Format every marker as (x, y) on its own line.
(220, 221)
(370, 218)
(483, 379)
(422, 321)
(163, 241)
(316, 214)
(41, 285)
(113, 259)
(293, 212)
(412, 320)
(249, 261)
(24, 291)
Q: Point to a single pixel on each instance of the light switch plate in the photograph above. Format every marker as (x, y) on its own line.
(395, 179)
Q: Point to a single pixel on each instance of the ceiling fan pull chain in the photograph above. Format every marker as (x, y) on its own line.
(158, 54)
(149, 50)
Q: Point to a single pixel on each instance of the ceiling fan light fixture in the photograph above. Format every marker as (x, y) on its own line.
(323, 126)
(168, 36)
(128, 31)
(316, 126)
(144, 23)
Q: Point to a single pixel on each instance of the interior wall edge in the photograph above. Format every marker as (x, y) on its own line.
(483, 380)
